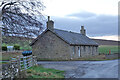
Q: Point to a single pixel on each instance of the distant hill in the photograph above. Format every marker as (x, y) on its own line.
(106, 42)
(20, 40)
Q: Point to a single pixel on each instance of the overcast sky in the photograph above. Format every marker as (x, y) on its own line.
(98, 16)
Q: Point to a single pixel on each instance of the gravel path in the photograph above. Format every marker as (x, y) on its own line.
(85, 69)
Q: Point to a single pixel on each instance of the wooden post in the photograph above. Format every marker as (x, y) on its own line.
(25, 67)
(19, 67)
(34, 60)
(109, 51)
(11, 72)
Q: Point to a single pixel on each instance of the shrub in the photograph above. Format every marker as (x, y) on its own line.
(17, 47)
(4, 48)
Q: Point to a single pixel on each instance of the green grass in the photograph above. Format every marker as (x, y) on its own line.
(3, 63)
(7, 56)
(23, 42)
(105, 49)
(40, 72)
(23, 45)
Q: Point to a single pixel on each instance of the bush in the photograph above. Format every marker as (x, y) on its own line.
(4, 48)
(17, 47)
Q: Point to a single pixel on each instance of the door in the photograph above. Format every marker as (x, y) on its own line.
(79, 52)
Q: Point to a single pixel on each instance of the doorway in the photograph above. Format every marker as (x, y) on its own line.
(79, 51)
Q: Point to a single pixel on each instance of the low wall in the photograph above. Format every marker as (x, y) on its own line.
(15, 68)
(111, 56)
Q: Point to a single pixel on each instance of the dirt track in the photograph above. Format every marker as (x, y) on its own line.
(85, 69)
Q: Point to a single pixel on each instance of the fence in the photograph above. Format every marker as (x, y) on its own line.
(110, 52)
(18, 65)
(113, 51)
(112, 56)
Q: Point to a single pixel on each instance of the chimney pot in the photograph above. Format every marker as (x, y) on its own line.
(83, 31)
(50, 24)
(48, 18)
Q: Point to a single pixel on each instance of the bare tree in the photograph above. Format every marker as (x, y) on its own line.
(22, 17)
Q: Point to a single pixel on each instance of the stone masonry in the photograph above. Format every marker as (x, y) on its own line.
(62, 45)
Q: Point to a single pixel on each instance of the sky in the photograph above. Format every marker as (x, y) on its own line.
(99, 17)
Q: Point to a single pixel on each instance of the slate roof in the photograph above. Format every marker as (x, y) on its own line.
(72, 38)
(75, 38)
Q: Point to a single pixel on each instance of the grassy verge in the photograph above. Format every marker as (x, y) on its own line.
(40, 72)
(7, 55)
(3, 63)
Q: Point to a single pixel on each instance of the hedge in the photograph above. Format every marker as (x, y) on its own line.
(17, 47)
(4, 48)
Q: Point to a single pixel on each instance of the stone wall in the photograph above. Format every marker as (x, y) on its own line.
(111, 56)
(87, 52)
(49, 46)
(13, 69)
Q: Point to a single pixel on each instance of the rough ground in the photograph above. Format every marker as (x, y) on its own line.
(85, 69)
(0, 71)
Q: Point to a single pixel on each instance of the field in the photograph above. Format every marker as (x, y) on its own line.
(8, 55)
(106, 48)
(23, 45)
(23, 42)
(40, 72)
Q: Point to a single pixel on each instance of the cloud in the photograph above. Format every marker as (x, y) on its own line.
(83, 14)
(96, 25)
(112, 37)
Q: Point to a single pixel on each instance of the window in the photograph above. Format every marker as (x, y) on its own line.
(92, 50)
(89, 50)
(84, 48)
(96, 49)
(73, 49)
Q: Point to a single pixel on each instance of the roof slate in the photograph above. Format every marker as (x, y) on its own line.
(75, 38)
(71, 38)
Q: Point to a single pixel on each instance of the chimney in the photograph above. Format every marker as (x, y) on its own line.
(83, 31)
(50, 24)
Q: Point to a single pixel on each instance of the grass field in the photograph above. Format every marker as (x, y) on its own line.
(8, 55)
(40, 72)
(105, 49)
(23, 42)
(23, 45)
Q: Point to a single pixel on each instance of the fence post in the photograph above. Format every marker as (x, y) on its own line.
(19, 67)
(109, 51)
(10, 68)
(34, 60)
(25, 67)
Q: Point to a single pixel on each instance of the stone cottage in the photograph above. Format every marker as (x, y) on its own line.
(63, 45)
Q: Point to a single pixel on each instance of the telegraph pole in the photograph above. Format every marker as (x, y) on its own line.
(1, 32)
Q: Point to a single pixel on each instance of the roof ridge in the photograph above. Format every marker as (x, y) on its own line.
(71, 38)
(68, 31)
